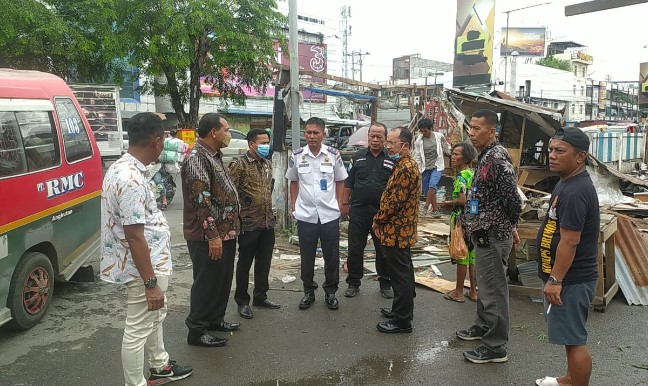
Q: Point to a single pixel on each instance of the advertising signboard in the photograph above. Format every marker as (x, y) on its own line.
(474, 43)
(643, 85)
(312, 57)
(526, 41)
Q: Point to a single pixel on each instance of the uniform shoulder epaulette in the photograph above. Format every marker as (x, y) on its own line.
(298, 151)
(331, 150)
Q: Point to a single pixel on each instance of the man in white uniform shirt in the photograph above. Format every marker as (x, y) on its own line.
(136, 252)
(316, 176)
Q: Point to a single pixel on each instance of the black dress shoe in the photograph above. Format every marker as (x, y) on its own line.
(391, 327)
(265, 303)
(225, 327)
(307, 301)
(332, 302)
(245, 311)
(386, 312)
(206, 340)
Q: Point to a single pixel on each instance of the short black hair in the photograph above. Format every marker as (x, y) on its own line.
(319, 122)
(489, 116)
(142, 127)
(208, 122)
(405, 135)
(254, 133)
(468, 150)
(381, 125)
(173, 132)
(425, 124)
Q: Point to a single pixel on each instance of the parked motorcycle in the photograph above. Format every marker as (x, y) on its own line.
(163, 184)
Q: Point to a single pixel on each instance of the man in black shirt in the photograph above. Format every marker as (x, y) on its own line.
(568, 249)
(370, 169)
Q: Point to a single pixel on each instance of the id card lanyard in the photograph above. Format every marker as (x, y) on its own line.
(473, 204)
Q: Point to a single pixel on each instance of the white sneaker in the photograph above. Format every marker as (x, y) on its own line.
(547, 381)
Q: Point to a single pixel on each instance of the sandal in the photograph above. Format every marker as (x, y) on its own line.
(467, 294)
(447, 296)
(163, 207)
(547, 381)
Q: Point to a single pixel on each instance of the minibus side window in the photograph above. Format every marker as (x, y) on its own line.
(39, 139)
(12, 154)
(75, 137)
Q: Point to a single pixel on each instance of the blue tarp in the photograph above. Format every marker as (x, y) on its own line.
(339, 93)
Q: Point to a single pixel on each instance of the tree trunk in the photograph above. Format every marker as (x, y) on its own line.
(195, 69)
(176, 101)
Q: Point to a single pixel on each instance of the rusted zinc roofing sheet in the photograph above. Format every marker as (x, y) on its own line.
(631, 262)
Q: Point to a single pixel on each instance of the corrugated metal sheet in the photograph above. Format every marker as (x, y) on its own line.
(634, 249)
(634, 294)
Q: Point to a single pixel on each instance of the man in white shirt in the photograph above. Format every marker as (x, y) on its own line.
(136, 252)
(429, 149)
(316, 174)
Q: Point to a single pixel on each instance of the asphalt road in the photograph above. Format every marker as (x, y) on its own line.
(79, 341)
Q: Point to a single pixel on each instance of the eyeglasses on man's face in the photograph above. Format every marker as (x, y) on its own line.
(391, 143)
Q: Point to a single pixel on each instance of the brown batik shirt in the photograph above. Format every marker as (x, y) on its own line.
(253, 181)
(398, 215)
(211, 205)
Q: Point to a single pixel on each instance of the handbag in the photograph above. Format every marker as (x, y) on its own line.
(458, 248)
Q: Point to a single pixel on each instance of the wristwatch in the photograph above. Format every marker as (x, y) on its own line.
(151, 283)
(553, 281)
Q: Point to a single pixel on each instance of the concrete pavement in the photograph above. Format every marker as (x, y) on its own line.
(79, 341)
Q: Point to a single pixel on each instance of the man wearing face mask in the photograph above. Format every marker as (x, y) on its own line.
(395, 225)
(211, 225)
(252, 175)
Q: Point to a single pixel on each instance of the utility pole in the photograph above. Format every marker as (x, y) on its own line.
(346, 32)
(294, 73)
(360, 54)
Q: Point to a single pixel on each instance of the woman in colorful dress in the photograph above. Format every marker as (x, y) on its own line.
(462, 155)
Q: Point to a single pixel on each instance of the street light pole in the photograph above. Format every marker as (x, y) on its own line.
(508, 13)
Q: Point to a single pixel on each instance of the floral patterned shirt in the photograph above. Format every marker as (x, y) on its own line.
(398, 215)
(211, 205)
(499, 203)
(127, 199)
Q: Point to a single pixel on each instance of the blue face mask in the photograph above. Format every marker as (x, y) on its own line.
(395, 157)
(263, 150)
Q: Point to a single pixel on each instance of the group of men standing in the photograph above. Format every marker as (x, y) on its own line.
(380, 195)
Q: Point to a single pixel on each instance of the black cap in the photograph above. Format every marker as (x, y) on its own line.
(573, 136)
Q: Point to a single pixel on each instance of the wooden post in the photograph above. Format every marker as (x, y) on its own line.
(521, 147)
(411, 101)
(374, 108)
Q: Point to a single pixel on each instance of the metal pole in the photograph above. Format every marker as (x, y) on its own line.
(294, 73)
(592, 99)
(508, 13)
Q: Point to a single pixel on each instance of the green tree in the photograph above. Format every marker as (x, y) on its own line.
(229, 42)
(72, 39)
(553, 62)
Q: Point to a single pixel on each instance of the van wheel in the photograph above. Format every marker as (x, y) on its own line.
(32, 287)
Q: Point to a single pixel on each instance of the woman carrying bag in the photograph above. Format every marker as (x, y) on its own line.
(461, 252)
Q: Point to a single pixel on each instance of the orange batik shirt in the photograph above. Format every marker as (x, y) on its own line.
(398, 215)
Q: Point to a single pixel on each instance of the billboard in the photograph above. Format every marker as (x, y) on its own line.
(643, 85)
(312, 57)
(526, 41)
(474, 43)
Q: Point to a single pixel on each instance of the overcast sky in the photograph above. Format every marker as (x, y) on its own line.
(389, 29)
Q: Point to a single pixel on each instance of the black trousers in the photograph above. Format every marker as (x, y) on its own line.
(360, 221)
(329, 235)
(402, 280)
(254, 246)
(211, 286)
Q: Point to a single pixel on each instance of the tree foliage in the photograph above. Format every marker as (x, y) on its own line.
(231, 43)
(553, 62)
(72, 39)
